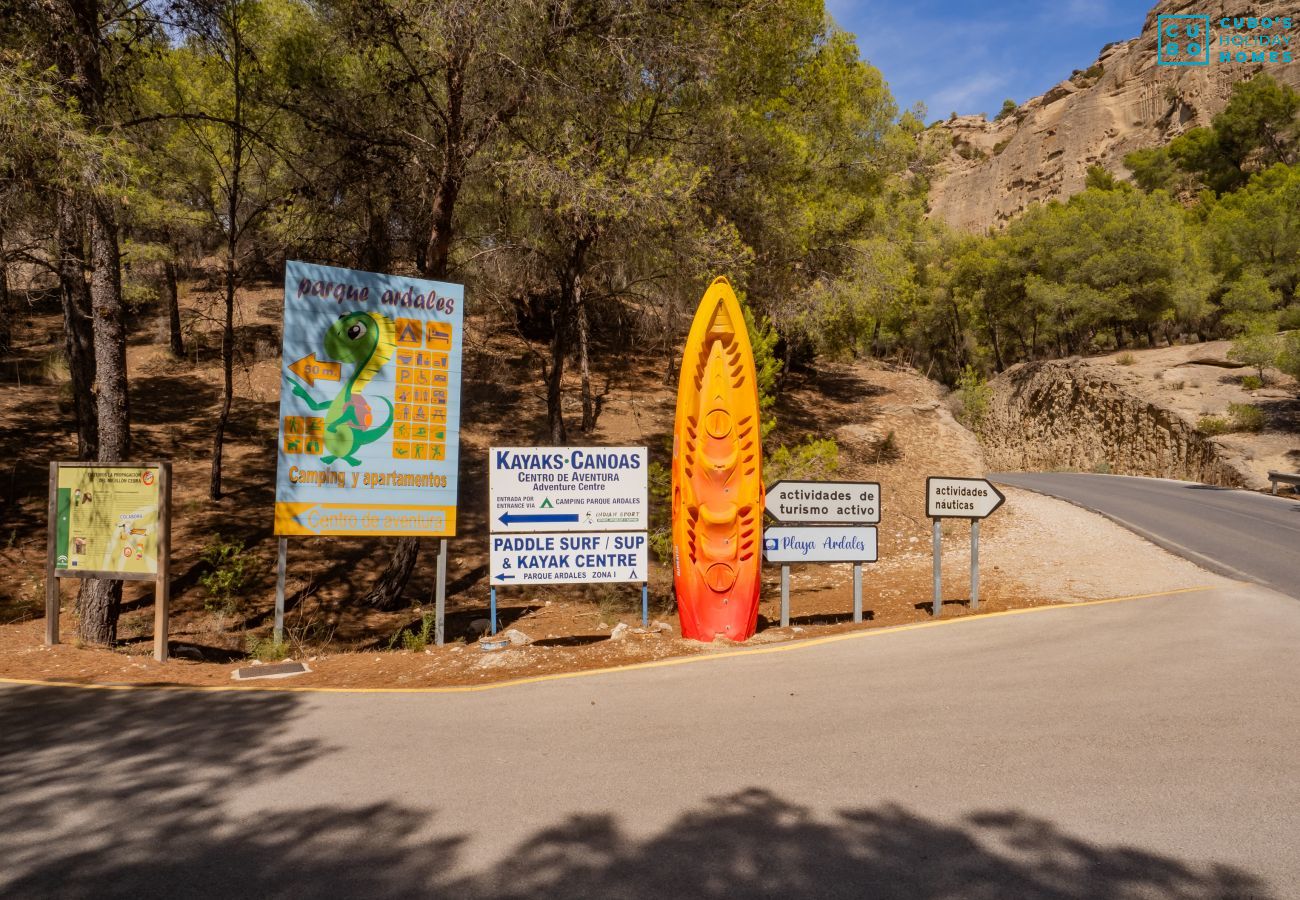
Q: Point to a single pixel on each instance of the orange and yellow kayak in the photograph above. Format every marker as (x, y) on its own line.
(717, 475)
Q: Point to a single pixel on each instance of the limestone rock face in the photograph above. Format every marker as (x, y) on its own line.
(1066, 414)
(1124, 102)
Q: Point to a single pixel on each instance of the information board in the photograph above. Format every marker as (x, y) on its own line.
(369, 404)
(568, 558)
(830, 543)
(568, 488)
(106, 520)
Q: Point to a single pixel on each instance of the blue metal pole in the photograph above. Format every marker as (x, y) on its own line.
(645, 605)
(492, 615)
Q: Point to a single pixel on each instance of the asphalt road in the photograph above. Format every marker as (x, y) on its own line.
(1142, 748)
(1240, 534)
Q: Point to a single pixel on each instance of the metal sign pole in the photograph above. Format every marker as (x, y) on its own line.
(440, 597)
(975, 564)
(857, 592)
(280, 560)
(645, 605)
(51, 579)
(492, 612)
(938, 563)
(785, 596)
(163, 585)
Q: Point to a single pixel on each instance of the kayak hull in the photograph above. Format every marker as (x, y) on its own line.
(717, 475)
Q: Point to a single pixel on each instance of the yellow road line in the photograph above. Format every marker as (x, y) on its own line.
(582, 673)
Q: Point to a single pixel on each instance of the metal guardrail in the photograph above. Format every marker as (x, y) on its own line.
(1276, 478)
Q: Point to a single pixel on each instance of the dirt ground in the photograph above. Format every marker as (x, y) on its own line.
(891, 426)
(1196, 380)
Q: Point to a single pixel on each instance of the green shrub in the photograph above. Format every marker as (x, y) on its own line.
(810, 461)
(1126, 359)
(416, 639)
(661, 511)
(230, 567)
(1252, 382)
(763, 338)
(1246, 417)
(974, 394)
(267, 649)
(1212, 425)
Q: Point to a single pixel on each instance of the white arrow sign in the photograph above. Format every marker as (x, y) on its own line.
(960, 498)
(568, 558)
(848, 502)
(831, 543)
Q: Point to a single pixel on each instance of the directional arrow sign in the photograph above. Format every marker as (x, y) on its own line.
(311, 370)
(831, 543)
(568, 557)
(849, 502)
(960, 498)
(568, 489)
(509, 519)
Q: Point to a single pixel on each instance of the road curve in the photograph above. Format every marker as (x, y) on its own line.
(1237, 533)
(1136, 749)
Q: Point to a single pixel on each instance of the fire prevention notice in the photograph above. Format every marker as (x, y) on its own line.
(106, 520)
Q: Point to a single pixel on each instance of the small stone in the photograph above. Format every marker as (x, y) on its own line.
(657, 627)
(516, 637)
(602, 626)
(797, 629)
(620, 632)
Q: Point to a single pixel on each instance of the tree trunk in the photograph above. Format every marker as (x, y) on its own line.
(228, 375)
(559, 435)
(78, 331)
(176, 340)
(590, 408)
(100, 601)
(434, 260)
(7, 311)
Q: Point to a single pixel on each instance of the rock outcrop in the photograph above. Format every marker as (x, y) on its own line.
(1123, 102)
(1063, 414)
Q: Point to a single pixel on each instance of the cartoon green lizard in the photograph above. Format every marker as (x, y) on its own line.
(366, 340)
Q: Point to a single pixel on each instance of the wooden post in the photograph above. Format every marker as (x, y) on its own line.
(163, 582)
(52, 579)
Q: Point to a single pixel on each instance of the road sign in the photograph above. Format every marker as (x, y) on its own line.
(830, 543)
(369, 404)
(568, 489)
(568, 558)
(847, 502)
(960, 498)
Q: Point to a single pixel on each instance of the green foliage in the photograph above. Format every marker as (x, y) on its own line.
(1009, 107)
(414, 640)
(814, 459)
(661, 504)
(1241, 417)
(229, 569)
(974, 394)
(767, 368)
(1126, 359)
(1246, 417)
(266, 649)
(1153, 169)
(1258, 347)
(1001, 145)
(1252, 382)
(1213, 425)
(1288, 356)
(1100, 179)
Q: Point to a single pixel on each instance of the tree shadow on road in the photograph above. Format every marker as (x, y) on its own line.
(132, 795)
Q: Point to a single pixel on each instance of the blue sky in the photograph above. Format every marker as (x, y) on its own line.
(969, 57)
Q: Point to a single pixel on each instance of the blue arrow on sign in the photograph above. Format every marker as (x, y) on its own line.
(504, 577)
(539, 518)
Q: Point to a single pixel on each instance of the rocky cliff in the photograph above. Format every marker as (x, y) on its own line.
(1067, 414)
(1122, 102)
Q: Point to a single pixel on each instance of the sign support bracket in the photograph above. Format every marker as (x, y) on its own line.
(785, 596)
(974, 564)
(645, 605)
(440, 597)
(938, 566)
(281, 558)
(857, 592)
